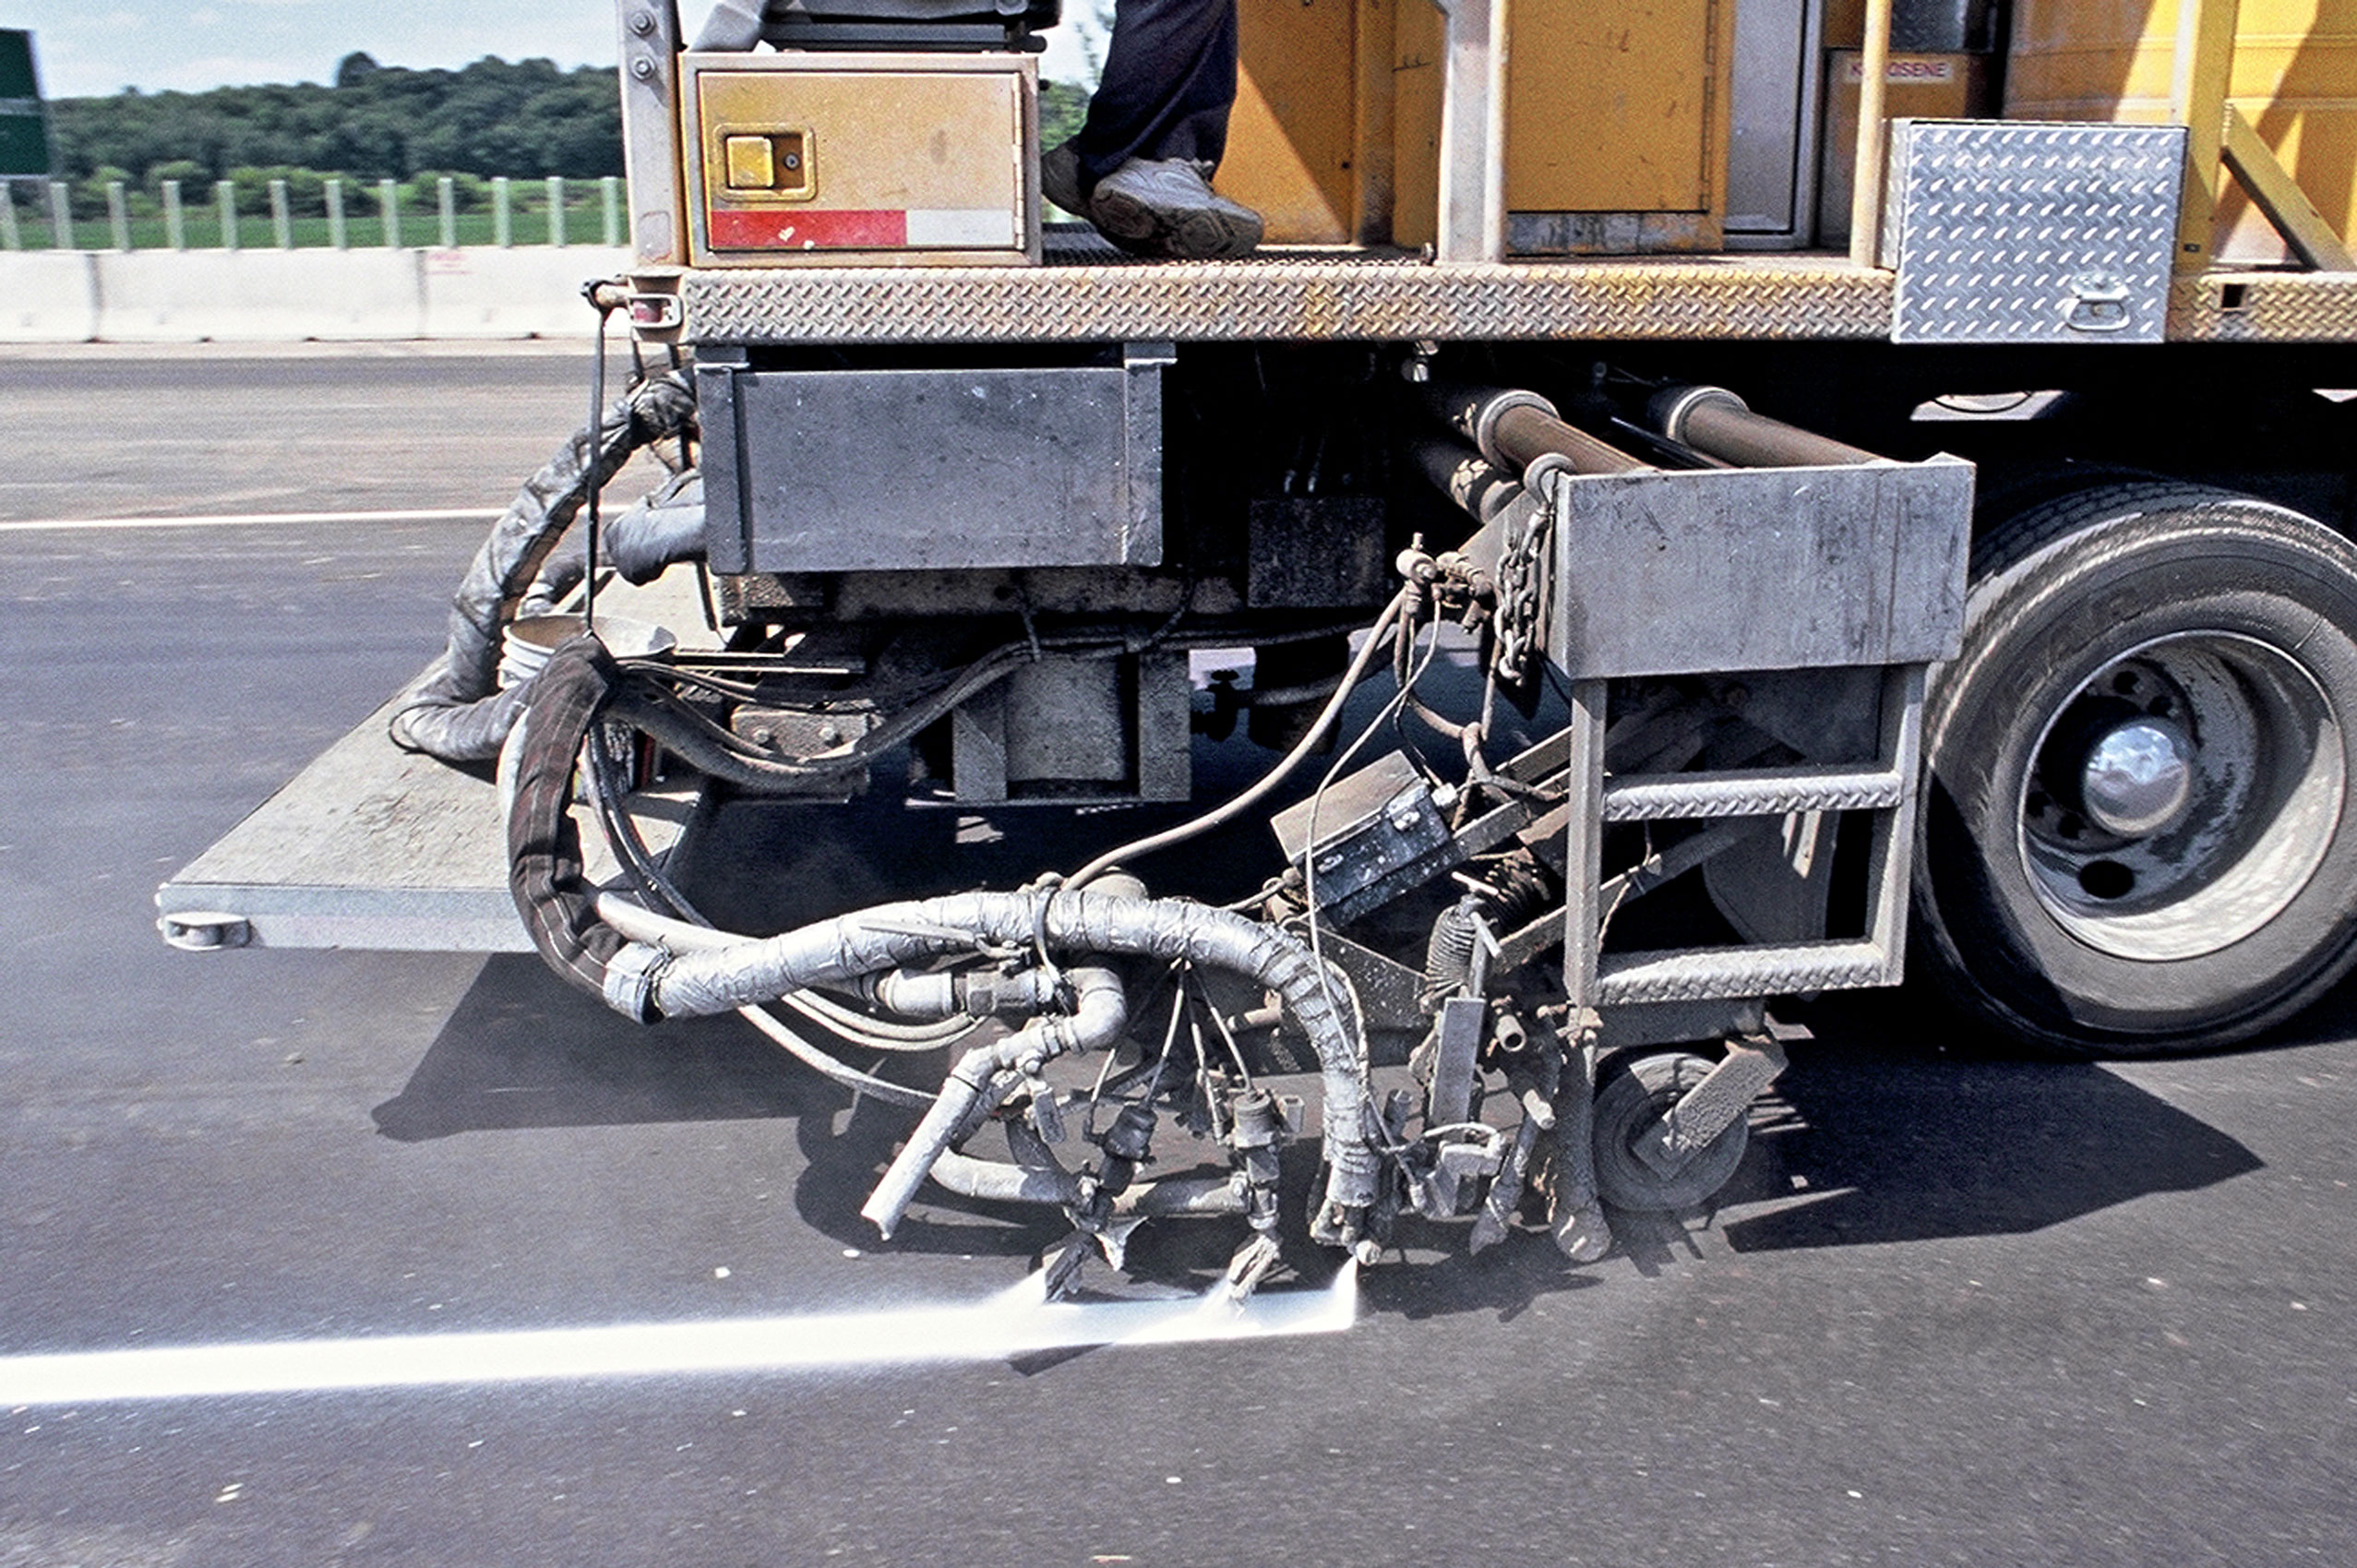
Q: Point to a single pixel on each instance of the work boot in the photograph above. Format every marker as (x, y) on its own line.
(1059, 179)
(1166, 206)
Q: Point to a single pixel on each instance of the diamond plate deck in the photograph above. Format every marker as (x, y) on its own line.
(1092, 296)
(2264, 307)
(1290, 296)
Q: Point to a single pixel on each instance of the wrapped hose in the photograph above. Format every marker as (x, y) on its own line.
(999, 1183)
(545, 872)
(456, 711)
(646, 981)
(652, 983)
(657, 532)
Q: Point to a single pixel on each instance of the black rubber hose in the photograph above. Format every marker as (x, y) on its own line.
(545, 872)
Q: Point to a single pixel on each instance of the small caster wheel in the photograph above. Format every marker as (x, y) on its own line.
(1630, 1102)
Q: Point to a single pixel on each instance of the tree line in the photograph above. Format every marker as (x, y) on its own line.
(374, 122)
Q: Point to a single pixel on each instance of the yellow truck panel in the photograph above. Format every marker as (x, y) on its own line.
(2294, 76)
(1610, 109)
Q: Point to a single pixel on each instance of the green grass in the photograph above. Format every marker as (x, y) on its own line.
(584, 225)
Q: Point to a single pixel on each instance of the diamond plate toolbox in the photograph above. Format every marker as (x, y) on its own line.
(2032, 232)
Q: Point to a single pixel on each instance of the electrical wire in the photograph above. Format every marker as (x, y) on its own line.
(719, 686)
(828, 1067)
(1227, 1035)
(1269, 780)
(596, 484)
(1390, 711)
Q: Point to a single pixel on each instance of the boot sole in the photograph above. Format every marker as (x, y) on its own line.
(1198, 234)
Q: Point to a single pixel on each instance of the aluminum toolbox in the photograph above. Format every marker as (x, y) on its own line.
(2032, 232)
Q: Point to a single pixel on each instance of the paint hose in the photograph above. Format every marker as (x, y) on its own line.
(456, 711)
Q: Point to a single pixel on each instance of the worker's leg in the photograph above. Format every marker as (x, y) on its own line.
(1170, 81)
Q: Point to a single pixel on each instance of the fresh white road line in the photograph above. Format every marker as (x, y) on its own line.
(1014, 1322)
(249, 520)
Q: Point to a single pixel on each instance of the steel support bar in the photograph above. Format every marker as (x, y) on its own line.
(1457, 1043)
(1890, 859)
(1584, 848)
(2201, 71)
(649, 46)
(1473, 132)
(2273, 191)
(1866, 194)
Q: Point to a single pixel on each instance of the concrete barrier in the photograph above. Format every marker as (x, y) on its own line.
(527, 293)
(161, 296)
(48, 296)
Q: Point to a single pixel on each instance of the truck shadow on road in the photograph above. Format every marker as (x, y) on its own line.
(522, 1050)
(1882, 1131)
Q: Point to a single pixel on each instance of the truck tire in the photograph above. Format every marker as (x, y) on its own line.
(2135, 833)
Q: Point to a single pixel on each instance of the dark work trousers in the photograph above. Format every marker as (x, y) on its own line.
(1170, 81)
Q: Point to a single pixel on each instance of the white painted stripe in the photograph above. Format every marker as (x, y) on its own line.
(250, 519)
(1014, 1322)
(993, 227)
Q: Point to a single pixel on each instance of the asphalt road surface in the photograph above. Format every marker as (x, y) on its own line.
(1956, 1308)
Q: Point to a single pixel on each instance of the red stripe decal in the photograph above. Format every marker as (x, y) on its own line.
(803, 229)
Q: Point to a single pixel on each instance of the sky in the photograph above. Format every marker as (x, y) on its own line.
(85, 48)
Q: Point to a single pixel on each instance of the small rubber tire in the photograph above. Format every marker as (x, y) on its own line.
(2237, 619)
(1631, 1099)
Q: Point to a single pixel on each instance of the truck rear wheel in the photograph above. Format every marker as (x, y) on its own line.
(2137, 824)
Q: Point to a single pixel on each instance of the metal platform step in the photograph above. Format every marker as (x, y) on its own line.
(372, 846)
(1750, 791)
(1310, 295)
(1717, 973)
(1883, 788)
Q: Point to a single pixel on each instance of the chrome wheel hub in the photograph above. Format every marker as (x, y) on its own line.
(2181, 795)
(2138, 777)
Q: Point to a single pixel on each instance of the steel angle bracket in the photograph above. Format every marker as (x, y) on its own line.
(1714, 1104)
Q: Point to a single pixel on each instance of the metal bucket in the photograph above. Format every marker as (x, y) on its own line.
(528, 641)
